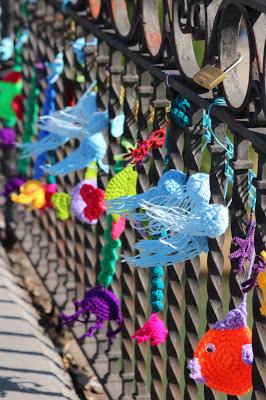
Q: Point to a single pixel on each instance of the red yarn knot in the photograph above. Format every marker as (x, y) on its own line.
(94, 199)
(154, 141)
(157, 138)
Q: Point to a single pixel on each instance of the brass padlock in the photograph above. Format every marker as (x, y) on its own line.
(211, 75)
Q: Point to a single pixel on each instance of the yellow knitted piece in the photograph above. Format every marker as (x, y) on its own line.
(262, 285)
(91, 171)
(122, 184)
(32, 194)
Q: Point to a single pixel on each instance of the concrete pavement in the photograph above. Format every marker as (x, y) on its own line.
(30, 367)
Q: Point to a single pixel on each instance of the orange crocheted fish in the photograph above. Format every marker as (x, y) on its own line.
(224, 356)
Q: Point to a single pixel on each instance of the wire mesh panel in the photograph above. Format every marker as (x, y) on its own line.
(146, 55)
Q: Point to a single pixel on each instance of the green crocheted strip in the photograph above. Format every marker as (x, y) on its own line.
(31, 119)
(110, 256)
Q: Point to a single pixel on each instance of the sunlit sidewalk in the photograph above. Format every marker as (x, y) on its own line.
(30, 367)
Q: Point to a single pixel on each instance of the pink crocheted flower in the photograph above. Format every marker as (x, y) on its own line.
(94, 199)
(153, 331)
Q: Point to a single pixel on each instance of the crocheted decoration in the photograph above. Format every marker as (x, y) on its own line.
(30, 120)
(223, 357)
(10, 92)
(153, 331)
(6, 48)
(118, 227)
(79, 46)
(87, 204)
(157, 288)
(82, 122)
(7, 136)
(261, 280)
(180, 111)
(122, 184)
(34, 194)
(11, 186)
(141, 152)
(177, 217)
(94, 199)
(109, 255)
(56, 68)
(62, 204)
(103, 304)
(245, 247)
(48, 108)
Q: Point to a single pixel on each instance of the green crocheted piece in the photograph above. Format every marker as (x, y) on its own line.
(31, 119)
(62, 204)
(110, 256)
(122, 184)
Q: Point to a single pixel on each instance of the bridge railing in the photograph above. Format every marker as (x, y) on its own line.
(147, 53)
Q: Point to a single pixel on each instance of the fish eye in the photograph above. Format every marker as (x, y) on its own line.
(210, 348)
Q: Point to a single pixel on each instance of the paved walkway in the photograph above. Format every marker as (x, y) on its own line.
(30, 367)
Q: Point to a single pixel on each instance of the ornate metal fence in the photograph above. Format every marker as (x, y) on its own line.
(145, 56)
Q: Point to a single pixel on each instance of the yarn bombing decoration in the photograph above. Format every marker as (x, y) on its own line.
(30, 120)
(7, 137)
(109, 255)
(103, 304)
(79, 46)
(177, 217)
(261, 280)
(82, 122)
(10, 98)
(6, 48)
(56, 68)
(62, 204)
(180, 111)
(87, 202)
(224, 356)
(141, 152)
(246, 247)
(11, 186)
(124, 183)
(153, 331)
(35, 194)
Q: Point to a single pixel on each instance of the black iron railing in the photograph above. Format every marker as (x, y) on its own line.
(147, 55)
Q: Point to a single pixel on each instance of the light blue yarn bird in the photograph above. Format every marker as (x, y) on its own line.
(177, 217)
(79, 46)
(82, 122)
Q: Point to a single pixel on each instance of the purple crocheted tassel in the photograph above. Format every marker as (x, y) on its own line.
(12, 185)
(245, 247)
(7, 136)
(101, 302)
(236, 318)
(259, 266)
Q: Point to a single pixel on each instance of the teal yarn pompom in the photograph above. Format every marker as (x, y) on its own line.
(110, 256)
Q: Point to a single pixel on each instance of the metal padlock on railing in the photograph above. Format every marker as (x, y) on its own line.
(211, 75)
